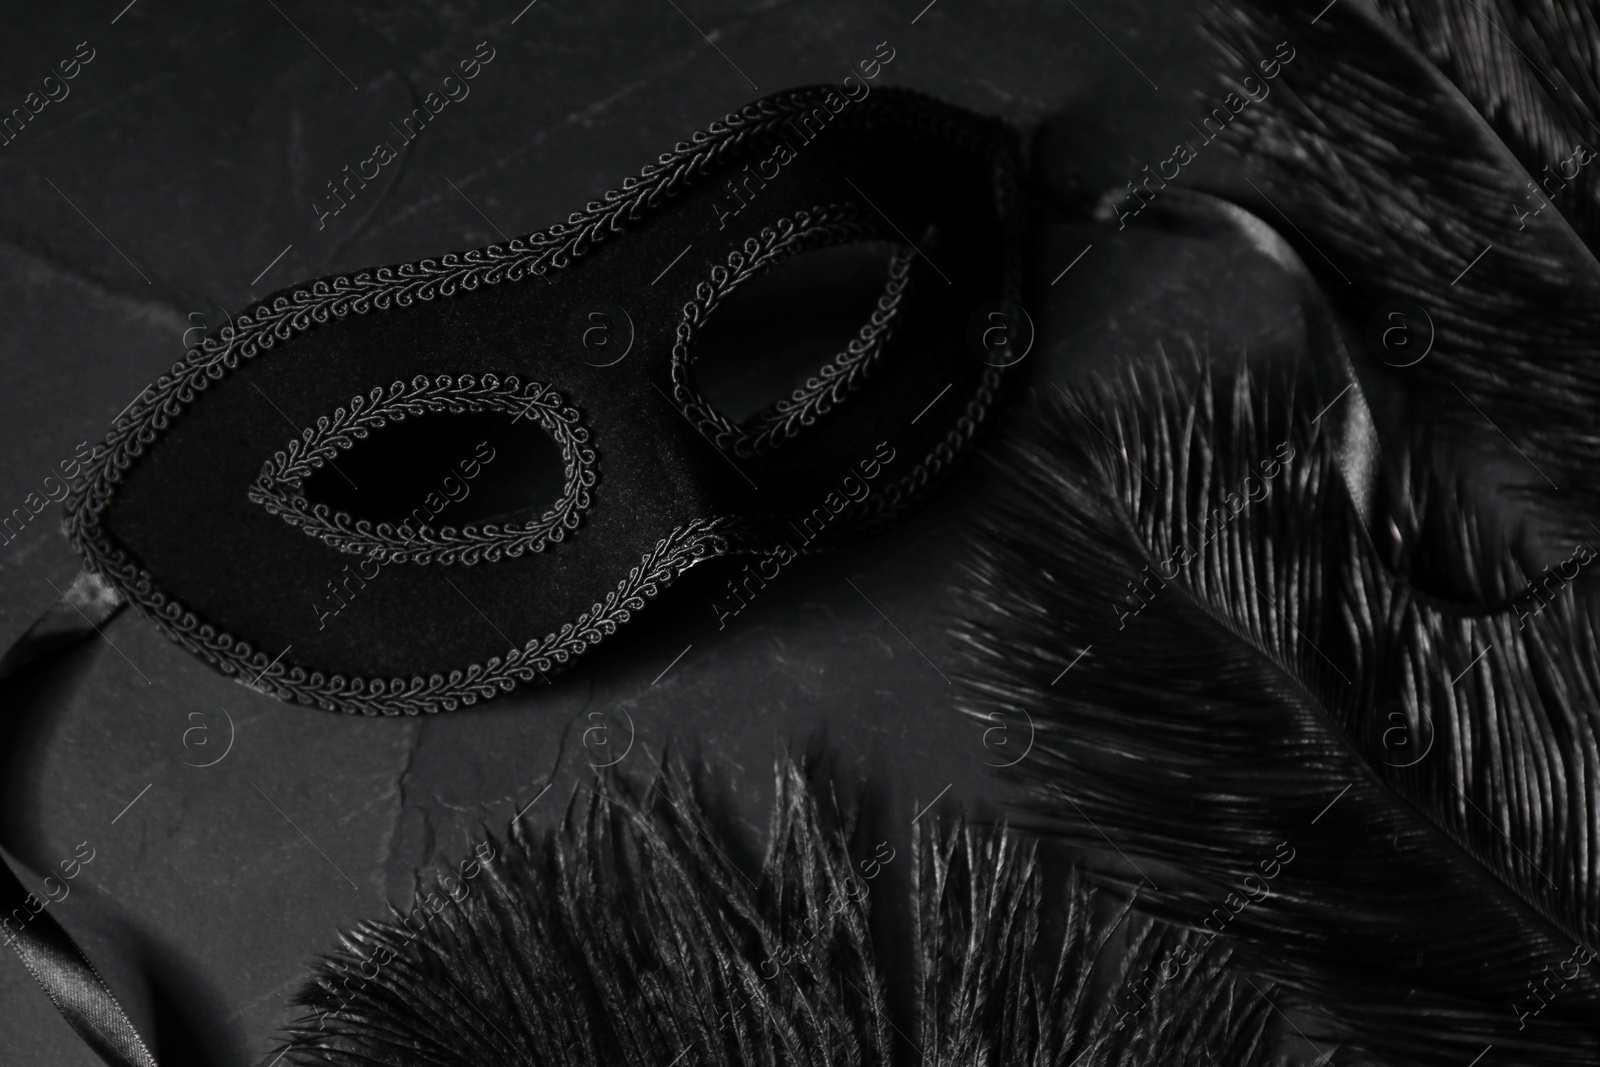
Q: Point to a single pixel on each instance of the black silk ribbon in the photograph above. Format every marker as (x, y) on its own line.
(47, 950)
(1350, 425)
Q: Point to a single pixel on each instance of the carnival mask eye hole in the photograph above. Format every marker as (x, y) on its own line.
(444, 469)
(778, 331)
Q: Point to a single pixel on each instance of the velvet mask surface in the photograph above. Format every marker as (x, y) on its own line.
(227, 502)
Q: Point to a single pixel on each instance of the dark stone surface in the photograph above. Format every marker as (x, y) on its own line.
(196, 141)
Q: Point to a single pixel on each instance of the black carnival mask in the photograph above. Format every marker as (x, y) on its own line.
(325, 451)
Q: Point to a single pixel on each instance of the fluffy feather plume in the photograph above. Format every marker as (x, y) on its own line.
(1389, 805)
(1398, 188)
(1531, 70)
(631, 936)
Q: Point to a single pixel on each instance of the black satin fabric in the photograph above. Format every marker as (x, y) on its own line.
(46, 949)
(1344, 406)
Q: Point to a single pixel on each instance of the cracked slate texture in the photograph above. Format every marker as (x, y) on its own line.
(196, 141)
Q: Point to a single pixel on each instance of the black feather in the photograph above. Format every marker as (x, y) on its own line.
(1398, 188)
(1531, 70)
(1264, 698)
(632, 936)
